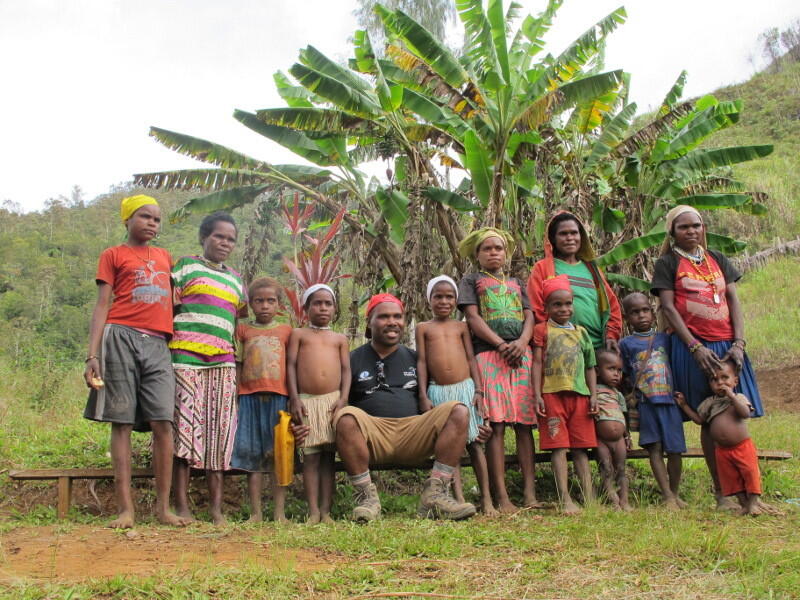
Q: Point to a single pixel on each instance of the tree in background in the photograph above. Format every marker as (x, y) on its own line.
(433, 15)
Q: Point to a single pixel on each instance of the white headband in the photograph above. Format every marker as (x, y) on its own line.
(432, 283)
(315, 288)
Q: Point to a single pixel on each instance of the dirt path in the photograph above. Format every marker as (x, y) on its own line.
(780, 388)
(74, 553)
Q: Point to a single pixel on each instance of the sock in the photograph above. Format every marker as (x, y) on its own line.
(360, 480)
(442, 471)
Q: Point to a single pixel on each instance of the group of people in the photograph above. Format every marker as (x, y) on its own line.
(170, 351)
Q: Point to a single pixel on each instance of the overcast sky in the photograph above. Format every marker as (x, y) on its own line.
(82, 80)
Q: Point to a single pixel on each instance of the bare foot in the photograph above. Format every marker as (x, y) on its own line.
(218, 519)
(488, 509)
(530, 501)
(280, 518)
(255, 518)
(506, 507)
(727, 503)
(570, 508)
(170, 518)
(313, 518)
(326, 518)
(672, 503)
(625, 506)
(680, 503)
(123, 521)
(766, 509)
(184, 513)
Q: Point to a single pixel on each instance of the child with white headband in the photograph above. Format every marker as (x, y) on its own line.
(318, 374)
(446, 371)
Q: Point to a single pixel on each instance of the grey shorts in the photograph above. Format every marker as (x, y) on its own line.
(139, 380)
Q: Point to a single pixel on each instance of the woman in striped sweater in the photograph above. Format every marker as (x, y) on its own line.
(208, 297)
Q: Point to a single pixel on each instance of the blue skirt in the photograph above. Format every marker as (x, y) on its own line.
(690, 380)
(255, 436)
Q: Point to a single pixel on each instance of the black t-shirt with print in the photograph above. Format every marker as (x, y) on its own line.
(384, 387)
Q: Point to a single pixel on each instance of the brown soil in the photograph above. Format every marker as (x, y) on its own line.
(80, 552)
(780, 389)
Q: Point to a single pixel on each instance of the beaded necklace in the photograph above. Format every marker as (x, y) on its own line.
(501, 280)
(697, 261)
(317, 328)
(648, 333)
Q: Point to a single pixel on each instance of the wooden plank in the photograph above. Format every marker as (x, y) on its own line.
(64, 496)
(511, 459)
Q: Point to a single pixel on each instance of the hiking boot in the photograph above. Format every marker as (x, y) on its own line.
(437, 503)
(368, 505)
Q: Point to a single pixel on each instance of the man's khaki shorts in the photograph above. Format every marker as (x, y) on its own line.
(406, 441)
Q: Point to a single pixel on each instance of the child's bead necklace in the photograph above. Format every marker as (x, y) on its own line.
(647, 333)
(501, 280)
(317, 328)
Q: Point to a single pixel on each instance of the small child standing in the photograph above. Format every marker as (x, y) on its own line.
(319, 385)
(613, 439)
(499, 316)
(645, 356)
(128, 367)
(446, 370)
(564, 385)
(737, 462)
(261, 375)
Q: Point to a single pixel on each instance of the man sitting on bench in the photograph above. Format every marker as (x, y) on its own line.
(382, 425)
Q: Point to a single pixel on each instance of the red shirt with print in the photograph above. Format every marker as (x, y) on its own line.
(700, 299)
(140, 283)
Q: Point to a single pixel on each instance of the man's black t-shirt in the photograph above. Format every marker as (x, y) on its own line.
(384, 387)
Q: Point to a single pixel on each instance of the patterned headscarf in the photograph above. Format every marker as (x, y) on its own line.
(468, 248)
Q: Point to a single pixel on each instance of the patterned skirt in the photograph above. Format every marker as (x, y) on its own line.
(205, 416)
(255, 432)
(690, 380)
(508, 393)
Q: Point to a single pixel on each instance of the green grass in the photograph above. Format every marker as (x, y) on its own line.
(771, 308)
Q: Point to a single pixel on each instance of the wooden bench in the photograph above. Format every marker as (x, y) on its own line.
(65, 477)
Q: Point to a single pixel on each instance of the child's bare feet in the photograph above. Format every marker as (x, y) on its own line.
(217, 518)
(313, 518)
(488, 509)
(170, 518)
(680, 503)
(280, 518)
(672, 503)
(326, 518)
(757, 507)
(625, 506)
(124, 520)
(569, 508)
(255, 518)
(185, 514)
(530, 501)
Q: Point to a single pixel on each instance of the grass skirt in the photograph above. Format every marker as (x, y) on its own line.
(255, 433)
(693, 383)
(463, 392)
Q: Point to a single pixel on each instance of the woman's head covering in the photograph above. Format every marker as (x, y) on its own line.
(441, 278)
(673, 214)
(585, 250)
(468, 248)
(315, 288)
(555, 284)
(133, 203)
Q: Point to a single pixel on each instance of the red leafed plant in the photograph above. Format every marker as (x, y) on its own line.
(309, 265)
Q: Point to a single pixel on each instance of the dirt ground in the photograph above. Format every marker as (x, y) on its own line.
(76, 552)
(68, 553)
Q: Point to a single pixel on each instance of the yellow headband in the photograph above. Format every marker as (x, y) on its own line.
(133, 203)
(470, 244)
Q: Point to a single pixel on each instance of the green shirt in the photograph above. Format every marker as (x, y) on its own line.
(587, 313)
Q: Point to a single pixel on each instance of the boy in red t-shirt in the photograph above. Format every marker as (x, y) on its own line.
(128, 367)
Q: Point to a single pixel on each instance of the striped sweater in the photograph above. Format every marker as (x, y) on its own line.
(205, 319)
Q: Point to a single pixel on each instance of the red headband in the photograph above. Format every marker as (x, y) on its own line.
(378, 298)
(554, 284)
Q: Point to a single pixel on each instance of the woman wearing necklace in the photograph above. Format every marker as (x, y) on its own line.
(567, 251)
(697, 290)
(208, 297)
(500, 319)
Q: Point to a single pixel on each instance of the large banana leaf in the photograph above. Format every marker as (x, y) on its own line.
(702, 160)
(611, 134)
(296, 141)
(222, 200)
(713, 201)
(631, 283)
(480, 43)
(204, 150)
(193, 179)
(319, 122)
(703, 125)
(316, 60)
(630, 248)
(673, 95)
(535, 28)
(339, 93)
(295, 96)
(424, 45)
(479, 166)
(394, 208)
(589, 115)
(451, 199)
(725, 244)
